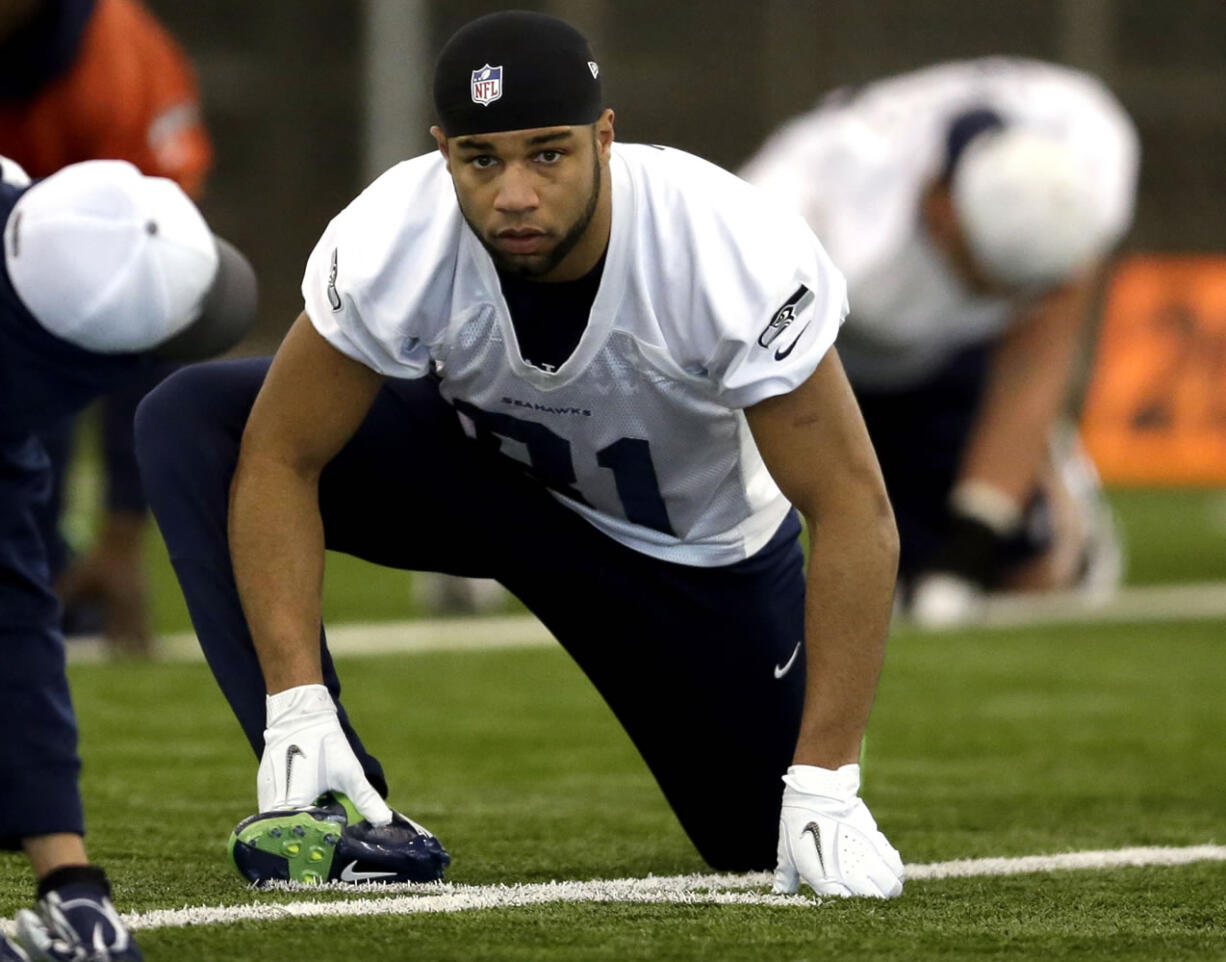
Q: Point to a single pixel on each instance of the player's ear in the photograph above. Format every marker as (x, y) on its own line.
(440, 138)
(604, 133)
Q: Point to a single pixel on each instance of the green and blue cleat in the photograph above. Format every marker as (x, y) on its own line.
(331, 842)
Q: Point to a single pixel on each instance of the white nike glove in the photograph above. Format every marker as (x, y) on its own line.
(306, 754)
(828, 839)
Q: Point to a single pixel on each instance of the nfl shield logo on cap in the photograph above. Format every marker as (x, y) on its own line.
(487, 85)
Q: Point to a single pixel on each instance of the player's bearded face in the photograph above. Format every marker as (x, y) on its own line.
(532, 197)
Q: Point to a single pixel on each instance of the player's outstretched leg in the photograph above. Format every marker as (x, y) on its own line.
(188, 432)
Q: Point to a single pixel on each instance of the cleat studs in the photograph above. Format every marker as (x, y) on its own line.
(331, 839)
(292, 848)
(299, 831)
(275, 832)
(317, 854)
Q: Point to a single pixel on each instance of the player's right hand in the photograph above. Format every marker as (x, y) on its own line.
(828, 839)
(306, 754)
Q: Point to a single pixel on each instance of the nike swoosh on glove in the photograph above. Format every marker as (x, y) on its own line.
(828, 839)
(307, 754)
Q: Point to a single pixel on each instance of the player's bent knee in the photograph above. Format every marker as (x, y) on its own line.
(164, 420)
(197, 412)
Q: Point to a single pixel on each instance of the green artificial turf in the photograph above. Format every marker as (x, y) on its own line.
(982, 744)
(1172, 535)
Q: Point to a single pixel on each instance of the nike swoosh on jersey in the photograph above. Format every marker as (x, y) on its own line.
(784, 352)
(781, 670)
(349, 875)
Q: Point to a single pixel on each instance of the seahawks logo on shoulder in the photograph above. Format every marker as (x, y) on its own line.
(333, 297)
(783, 319)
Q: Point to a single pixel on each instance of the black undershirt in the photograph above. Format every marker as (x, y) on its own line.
(550, 317)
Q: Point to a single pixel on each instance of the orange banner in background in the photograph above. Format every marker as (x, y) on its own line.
(1155, 412)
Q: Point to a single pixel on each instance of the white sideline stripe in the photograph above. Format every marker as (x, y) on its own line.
(1203, 600)
(1179, 602)
(375, 638)
(746, 889)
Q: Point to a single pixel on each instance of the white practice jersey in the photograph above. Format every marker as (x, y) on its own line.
(711, 299)
(856, 168)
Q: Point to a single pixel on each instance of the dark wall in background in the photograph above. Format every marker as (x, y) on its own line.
(282, 83)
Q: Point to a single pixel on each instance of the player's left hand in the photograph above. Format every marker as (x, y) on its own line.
(828, 839)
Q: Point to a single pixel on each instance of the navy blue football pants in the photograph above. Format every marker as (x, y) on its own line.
(685, 657)
(123, 490)
(39, 764)
(38, 732)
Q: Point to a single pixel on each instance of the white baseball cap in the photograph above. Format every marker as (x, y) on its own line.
(117, 262)
(1026, 208)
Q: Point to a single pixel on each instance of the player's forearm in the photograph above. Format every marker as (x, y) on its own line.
(1010, 438)
(277, 550)
(1027, 389)
(852, 565)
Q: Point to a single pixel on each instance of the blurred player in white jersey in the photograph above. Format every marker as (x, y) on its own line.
(601, 375)
(973, 207)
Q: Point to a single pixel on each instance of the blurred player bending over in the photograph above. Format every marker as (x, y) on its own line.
(972, 207)
(105, 274)
(600, 374)
(85, 80)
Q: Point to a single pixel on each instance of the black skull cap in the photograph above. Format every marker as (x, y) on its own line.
(516, 70)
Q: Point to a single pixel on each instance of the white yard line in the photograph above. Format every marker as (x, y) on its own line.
(1206, 600)
(1176, 602)
(1067, 861)
(375, 638)
(747, 889)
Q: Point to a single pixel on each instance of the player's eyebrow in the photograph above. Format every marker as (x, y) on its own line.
(552, 137)
(485, 146)
(466, 143)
